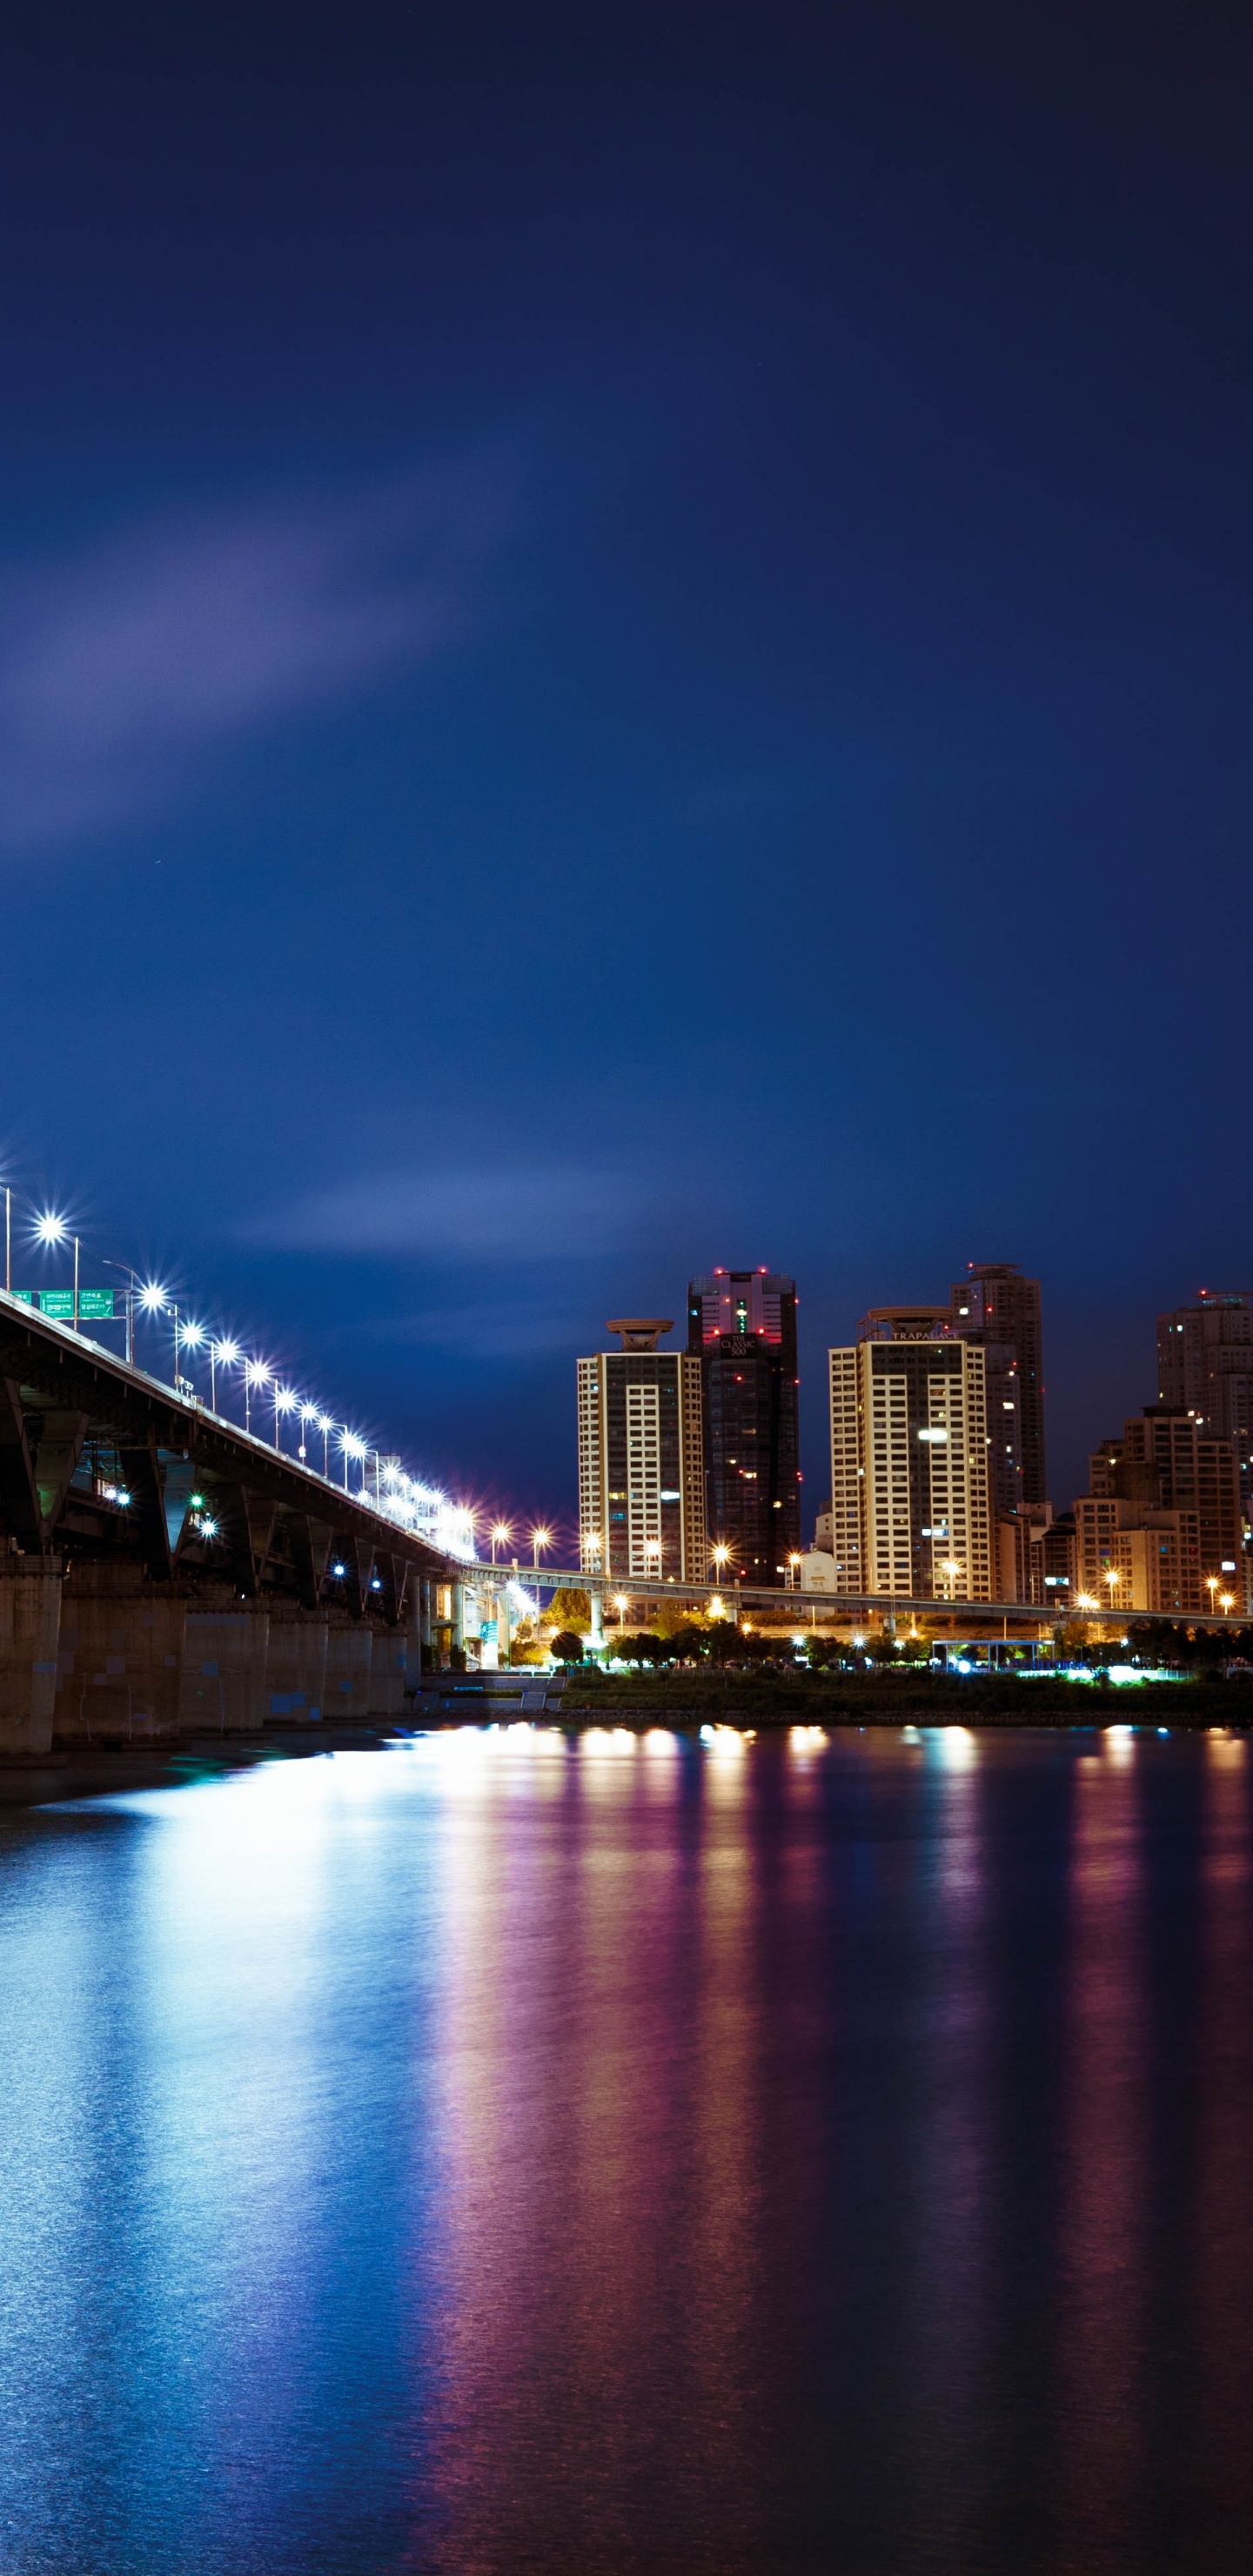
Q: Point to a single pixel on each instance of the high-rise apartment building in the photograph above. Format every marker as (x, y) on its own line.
(1205, 1365)
(641, 1460)
(910, 1510)
(1133, 1556)
(741, 1334)
(1166, 1462)
(995, 1306)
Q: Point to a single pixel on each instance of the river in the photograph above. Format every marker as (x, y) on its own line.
(511, 2151)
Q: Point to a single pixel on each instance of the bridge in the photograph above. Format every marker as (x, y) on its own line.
(163, 1570)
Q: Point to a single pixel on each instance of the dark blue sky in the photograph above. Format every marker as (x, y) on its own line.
(625, 644)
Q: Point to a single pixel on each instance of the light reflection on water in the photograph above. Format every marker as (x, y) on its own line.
(609, 2153)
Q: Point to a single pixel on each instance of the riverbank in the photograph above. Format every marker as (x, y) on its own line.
(901, 1698)
(750, 1702)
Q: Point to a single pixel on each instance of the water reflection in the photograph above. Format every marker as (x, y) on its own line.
(1103, 2493)
(612, 2153)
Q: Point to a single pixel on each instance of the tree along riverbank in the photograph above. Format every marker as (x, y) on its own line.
(900, 1698)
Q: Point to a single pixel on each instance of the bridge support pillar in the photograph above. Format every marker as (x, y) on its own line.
(30, 1618)
(597, 1600)
(416, 1620)
(458, 1592)
(295, 1670)
(224, 1661)
(349, 1654)
(120, 1658)
(388, 1659)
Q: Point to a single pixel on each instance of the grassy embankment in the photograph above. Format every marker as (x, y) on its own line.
(900, 1698)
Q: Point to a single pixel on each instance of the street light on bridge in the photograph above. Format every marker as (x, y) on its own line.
(222, 1354)
(540, 1538)
(257, 1375)
(501, 1535)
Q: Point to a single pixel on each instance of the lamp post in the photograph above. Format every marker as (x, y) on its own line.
(152, 1300)
(131, 1282)
(257, 1375)
(225, 1353)
(501, 1535)
(794, 1563)
(950, 1566)
(540, 1538)
(620, 1605)
(193, 1336)
(1211, 1586)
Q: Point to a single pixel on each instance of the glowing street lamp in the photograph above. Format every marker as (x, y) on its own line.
(256, 1376)
(352, 1448)
(1112, 1576)
(794, 1564)
(621, 1605)
(1086, 1601)
(224, 1354)
(52, 1231)
(189, 1337)
(540, 1538)
(721, 1555)
(950, 1566)
(1211, 1586)
(324, 1425)
(1227, 1603)
(284, 1402)
(501, 1535)
(717, 1607)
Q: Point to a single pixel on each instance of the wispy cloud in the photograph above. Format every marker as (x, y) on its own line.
(121, 669)
(480, 1213)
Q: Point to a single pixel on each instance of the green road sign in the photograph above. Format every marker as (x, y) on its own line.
(95, 1305)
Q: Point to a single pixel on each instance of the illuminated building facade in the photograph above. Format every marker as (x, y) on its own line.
(1134, 1557)
(1205, 1366)
(741, 1334)
(910, 1513)
(995, 1306)
(641, 1461)
(1166, 1461)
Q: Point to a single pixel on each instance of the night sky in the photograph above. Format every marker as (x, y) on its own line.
(625, 644)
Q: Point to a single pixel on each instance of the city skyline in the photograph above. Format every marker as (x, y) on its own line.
(1202, 1350)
